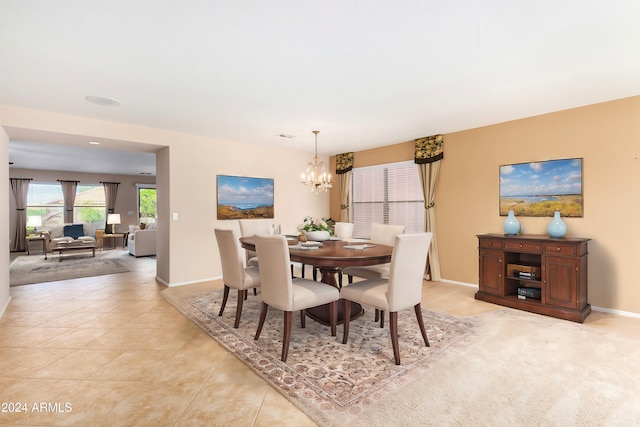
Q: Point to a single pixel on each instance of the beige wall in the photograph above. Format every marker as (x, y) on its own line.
(606, 136)
(186, 179)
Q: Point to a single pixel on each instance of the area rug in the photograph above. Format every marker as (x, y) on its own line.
(331, 382)
(29, 269)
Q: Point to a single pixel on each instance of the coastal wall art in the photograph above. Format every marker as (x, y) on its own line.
(241, 197)
(541, 188)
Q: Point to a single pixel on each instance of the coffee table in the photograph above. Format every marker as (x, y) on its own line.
(74, 246)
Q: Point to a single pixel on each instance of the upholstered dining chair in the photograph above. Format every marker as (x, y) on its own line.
(401, 290)
(250, 228)
(343, 231)
(382, 234)
(234, 274)
(279, 290)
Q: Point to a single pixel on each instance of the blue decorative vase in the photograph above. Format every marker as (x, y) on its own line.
(556, 228)
(511, 224)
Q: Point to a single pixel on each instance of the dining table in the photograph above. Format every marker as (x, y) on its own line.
(330, 257)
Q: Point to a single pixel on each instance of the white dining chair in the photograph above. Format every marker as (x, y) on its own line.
(234, 274)
(250, 228)
(382, 234)
(343, 230)
(401, 290)
(279, 290)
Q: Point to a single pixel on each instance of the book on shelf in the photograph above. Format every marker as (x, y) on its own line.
(533, 293)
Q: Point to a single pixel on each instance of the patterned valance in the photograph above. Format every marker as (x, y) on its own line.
(429, 149)
(344, 162)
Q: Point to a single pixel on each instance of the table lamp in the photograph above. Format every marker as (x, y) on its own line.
(112, 220)
(34, 221)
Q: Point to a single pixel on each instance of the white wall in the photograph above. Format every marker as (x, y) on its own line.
(186, 182)
(5, 194)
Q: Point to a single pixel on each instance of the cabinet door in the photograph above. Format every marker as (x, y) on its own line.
(561, 282)
(491, 272)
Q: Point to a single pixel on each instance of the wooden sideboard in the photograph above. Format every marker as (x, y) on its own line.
(557, 267)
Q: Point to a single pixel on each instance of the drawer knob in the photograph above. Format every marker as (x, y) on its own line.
(558, 249)
(520, 244)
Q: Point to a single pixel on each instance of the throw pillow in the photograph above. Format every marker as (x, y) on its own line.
(74, 231)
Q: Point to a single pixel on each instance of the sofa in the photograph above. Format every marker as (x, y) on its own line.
(142, 242)
(85, 232)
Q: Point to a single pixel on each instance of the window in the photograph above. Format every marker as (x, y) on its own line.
(147, 203)
(47, 202)
(89, 206)
(387, 194)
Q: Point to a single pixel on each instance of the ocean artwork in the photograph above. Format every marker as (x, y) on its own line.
(242, 197)
(541, 188)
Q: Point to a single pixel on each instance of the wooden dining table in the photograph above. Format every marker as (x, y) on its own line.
(330, 258)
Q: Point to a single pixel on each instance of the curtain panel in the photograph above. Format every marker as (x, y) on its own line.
(429, 152)
(20, 190)
(69, 195)
(110, 195)
(344, 165)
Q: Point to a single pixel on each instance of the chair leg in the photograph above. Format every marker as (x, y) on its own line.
(315, 274)
(350, 278)
(286, 338)
(333, 316)
(382, 318)
(423, 331)
(242, 295)
(339, 279)
(303, 316)
(302, 273)
(263, 315)
(346, 314)
(255, 291)
(377, 315)
(225, 296)
(393, 327)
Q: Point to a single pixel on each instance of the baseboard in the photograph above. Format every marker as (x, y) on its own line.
(594, 308)
(453, 282)
(191, 282)
(5, 307)
(619, 312)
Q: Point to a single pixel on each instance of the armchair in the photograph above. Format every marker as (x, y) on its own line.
(142, 242)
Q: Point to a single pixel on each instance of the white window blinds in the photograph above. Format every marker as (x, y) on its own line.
(387, 194)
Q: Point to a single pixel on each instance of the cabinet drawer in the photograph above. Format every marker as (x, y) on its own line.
(490, 244)
(523, 246)
(560, 249)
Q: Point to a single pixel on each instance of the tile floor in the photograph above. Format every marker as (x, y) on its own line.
(110, 351)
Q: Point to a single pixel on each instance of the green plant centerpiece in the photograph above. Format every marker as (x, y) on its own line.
(315, 229)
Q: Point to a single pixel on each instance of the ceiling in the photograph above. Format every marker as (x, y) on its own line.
(366, 73)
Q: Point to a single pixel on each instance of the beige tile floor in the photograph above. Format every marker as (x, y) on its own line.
(110, 351)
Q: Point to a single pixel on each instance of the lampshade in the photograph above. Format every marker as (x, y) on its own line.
(34, 221)
(113, 219)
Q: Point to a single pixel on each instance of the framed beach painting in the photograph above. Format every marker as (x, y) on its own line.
(540, 188)
(241, 197)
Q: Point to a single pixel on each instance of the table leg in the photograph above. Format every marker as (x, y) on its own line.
(321, 313)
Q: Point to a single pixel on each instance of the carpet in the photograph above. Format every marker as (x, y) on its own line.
(332, 383)
(31, 269)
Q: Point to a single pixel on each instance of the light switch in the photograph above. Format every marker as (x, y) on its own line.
(175, 216)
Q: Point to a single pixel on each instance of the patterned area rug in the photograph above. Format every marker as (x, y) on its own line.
(329, 381)
(25, 270)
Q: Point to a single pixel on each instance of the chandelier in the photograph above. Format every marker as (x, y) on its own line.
(316, 177)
